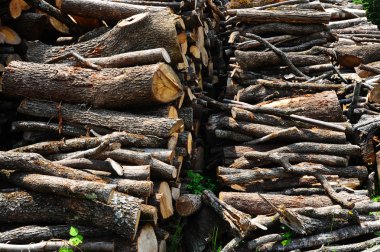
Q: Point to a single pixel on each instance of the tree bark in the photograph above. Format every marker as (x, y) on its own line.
(285, 28)
(115, 120)
(152, 84)
(322, 106)
(35, 163)
(32, 234)
(231, 176)
(62, 186)
(121, 216)
(140, 32)
(266, 59)
(188, 204)
(75, 144)
(135, 188)
(252, 203)
(265, 16)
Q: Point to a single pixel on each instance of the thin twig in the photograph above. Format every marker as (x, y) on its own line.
(77, 57)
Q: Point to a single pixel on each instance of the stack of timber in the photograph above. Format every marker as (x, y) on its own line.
(295, 139)
(97, 106)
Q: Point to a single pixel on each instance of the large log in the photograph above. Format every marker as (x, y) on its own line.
(121, 216)
(33, 162)
(107, 10)
(322, 106)
(266, 16)
(61, 186)
(146, 125)
(139, 32)
(252, 203)
(265, 59)
(75, 144)
(149, 84)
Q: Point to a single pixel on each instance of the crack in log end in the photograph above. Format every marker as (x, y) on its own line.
(166, 85)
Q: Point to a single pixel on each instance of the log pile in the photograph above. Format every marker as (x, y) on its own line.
(295, 125)
(96, 102)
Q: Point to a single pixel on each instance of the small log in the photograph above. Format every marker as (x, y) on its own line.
(35, 163)
(65, 130)
(146, 240)
(188, 204)
(107, 10)
(167, 111)
(30, 26)
(32, 234)
(75, 144)
(56, 245)
(231, 176)
(186, 114)
(320, 148)
(285, 28)
(87, 164)
(121, 216)
(142, 189)
(265, 16)
(154, 84)
(185, 139)
(164, 155)
(130, 59)
(141, 172)
(265, 59)
(161, 127)
(325, 238)
(253, 244)
(252, 203)
(360, 246)
(62, 186)
(259, 130)
(139, 32)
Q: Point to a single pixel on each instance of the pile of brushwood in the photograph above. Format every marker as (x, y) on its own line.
(115, 114)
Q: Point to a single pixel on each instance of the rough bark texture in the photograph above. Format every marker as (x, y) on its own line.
(139, 32)
(107, 10)
(32, 162)
(303, 17)
(188, 204)
(115, 120)
(121, 216)
(265, 59)
(75, 144)
(323, 106)
(61, 186)
(29, 234)
(149, 84)
(134, 187)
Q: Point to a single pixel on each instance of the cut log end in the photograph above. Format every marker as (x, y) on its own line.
(166, 84)
(131, 20)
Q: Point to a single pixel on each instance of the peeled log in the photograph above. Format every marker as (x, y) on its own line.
(121, 216)
(149, 84)
(322, 106)
(115, 120)
(264, 59)
(139, 32)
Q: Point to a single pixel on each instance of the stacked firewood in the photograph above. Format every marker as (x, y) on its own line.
(104, 93)
(300, 115)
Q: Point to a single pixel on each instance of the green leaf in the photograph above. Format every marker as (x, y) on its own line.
(65, 249)
(285, 242)
(80, 237)
(377, 233)
(74, 241)
(74, 231)
(287, 235)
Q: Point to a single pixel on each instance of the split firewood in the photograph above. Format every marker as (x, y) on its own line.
(161, 127)
(163, 199)
(160, 32)
(146, 240)
(121, 216)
